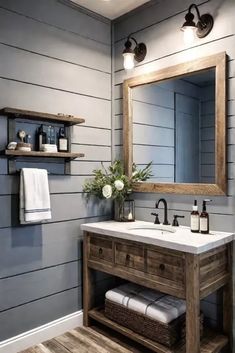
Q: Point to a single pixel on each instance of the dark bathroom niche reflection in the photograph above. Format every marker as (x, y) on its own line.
(174, 126)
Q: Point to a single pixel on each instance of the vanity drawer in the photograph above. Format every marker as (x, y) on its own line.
(166, 264)
(129, 255)
(100, 249)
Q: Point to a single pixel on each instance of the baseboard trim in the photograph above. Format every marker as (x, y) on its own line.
(42, 333)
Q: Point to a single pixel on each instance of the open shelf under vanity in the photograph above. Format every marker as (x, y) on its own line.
(211, 342)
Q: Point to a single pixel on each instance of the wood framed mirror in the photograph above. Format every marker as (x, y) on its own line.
(176, 118)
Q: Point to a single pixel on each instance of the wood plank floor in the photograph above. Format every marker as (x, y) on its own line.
(83, 340)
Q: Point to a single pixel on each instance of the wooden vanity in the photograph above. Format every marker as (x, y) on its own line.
(184, 271)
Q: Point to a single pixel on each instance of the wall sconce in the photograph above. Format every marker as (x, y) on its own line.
(201, 29)
(138, 53)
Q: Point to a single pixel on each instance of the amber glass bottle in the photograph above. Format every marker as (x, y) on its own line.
(204, 219)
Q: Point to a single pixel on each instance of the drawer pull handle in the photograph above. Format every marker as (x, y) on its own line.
(162, 267)
(100, 251)
(128, 257)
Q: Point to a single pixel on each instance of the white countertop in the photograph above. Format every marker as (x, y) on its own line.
(183, 239)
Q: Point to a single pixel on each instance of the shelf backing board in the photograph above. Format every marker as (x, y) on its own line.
(36, 156)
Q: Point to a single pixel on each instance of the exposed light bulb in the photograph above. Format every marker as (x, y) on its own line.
(128, 61)
(189, 34)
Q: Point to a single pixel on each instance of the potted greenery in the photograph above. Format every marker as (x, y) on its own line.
(113, 183)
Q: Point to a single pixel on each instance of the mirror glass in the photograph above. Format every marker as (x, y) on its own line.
(174, 127)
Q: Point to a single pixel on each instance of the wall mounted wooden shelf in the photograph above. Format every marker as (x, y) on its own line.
(22, 114)
(67, 120)
(67, 155)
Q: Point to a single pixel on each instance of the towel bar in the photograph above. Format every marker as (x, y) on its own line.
(49, 173)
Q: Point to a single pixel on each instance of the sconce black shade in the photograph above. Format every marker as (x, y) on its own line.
(128, 49)
(189, 17)
(204, 25)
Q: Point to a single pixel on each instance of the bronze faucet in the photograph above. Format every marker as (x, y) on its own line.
(165, 210)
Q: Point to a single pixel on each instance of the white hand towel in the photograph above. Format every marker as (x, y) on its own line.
(34, 196)
(154, 304)
(138, 304)
(123, 293)
(166, 309)
(117, 296)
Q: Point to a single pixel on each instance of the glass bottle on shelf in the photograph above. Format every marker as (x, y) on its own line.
(62, 141)
(41, 138)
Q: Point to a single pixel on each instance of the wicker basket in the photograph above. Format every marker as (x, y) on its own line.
(167, 334)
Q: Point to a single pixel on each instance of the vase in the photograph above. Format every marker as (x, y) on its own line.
(124, 210)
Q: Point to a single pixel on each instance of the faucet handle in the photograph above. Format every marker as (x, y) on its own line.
(156, 218)
(175, 222)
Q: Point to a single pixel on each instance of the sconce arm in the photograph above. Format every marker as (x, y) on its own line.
(197, 10)
(132, 38)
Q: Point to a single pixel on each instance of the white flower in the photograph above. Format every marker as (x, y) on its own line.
(107, 191)
(119, 185)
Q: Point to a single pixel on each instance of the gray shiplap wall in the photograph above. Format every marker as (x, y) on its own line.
(157, 25)
(54, 58)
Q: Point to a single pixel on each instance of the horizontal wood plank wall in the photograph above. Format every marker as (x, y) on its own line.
(158, 26)
(54, 58)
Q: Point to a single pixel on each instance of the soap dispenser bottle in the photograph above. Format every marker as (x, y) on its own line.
(204, 218)
(194, 221)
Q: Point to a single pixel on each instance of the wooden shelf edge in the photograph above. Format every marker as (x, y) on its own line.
(24, 114)
(211, 343)
(15, 153)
